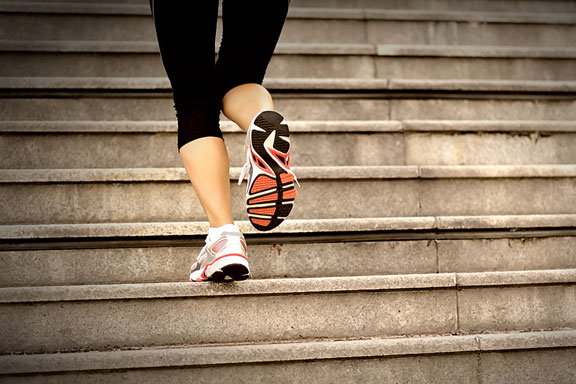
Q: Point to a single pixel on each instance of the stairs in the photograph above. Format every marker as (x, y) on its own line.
(434, 239)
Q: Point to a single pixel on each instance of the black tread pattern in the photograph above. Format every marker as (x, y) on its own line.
(272, 121)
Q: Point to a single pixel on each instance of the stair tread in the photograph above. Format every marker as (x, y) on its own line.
(458, 280)
(404, 50)
(352, 126)
(95, 230)
(187, 355)
(83, 175)
(333, 84)
(308, 12)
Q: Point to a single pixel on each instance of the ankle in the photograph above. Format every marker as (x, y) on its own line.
(216, 232)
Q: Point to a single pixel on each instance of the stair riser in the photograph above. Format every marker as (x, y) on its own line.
(450, 5)
(176, 201)
(295, 108)
(530, 367)
(105, 324)
(100, 324)
(171, 264)
(305, 66)
(141, 28)
(107, 150)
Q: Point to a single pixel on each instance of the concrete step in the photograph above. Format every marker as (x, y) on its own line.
(152, 144)
(464, 5)
(75, 318)
(142, 59)
(119, 195)
(37, 21)
(141, 99)
(530, 357)
(448, 5)
(121, 253)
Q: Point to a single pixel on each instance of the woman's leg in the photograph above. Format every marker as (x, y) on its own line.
(245, 101)
(186, 32)
(251, 29)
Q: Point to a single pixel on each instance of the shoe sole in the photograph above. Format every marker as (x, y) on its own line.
(225, 268)
(231, 272)
(275, 196)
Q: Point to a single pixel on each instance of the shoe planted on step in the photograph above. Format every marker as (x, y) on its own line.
(223, 259)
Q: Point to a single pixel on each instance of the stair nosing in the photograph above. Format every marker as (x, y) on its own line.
(297, 126)
(80, 84)
(302, 226)
(290, 286)
(364, 14)
(124, 175)
(285, 352)
(348, 49)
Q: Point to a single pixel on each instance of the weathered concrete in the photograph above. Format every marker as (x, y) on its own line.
(95, 108)
(287, 352)
(137, 7)
(447, 5)
(116, 323)
(200, 228)
(517, 308)
(477, 255)
(113, 144)
(105, 316)
(317, 25)
(531, 366)
(162, 84)
(113, 195)
(497, 148)
(534, 367)
(121, 59)
(477, 109)
(465, 33)
(153, 150)
(171, 264)
(454, 369)
(135, 230)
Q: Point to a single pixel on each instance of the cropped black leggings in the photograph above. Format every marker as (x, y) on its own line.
(186, 32)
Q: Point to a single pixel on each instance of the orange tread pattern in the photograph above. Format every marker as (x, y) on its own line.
(263, 183)
(260, 222)
(286, 178)
(290, 194)
(264, 199)
(263, 211)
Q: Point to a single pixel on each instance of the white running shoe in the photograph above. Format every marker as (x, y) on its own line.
(270, 192)
(222, 260)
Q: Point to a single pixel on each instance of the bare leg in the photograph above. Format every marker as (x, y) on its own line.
(245, 101)
(212, 183)
(207, 164)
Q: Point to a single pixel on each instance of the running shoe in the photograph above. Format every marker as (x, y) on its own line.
(270, 192)
(222, 260)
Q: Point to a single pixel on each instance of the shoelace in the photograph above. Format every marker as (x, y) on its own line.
(247, 165)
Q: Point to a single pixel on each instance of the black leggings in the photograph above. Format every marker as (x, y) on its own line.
(186, 31)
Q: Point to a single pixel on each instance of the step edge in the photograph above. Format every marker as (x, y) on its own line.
(167, 229)
(338, 173)
(364, 14)
(285, 352)
(292, 286)
(321, 285)
(296, 126)
(316, 49)
(91, 83)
